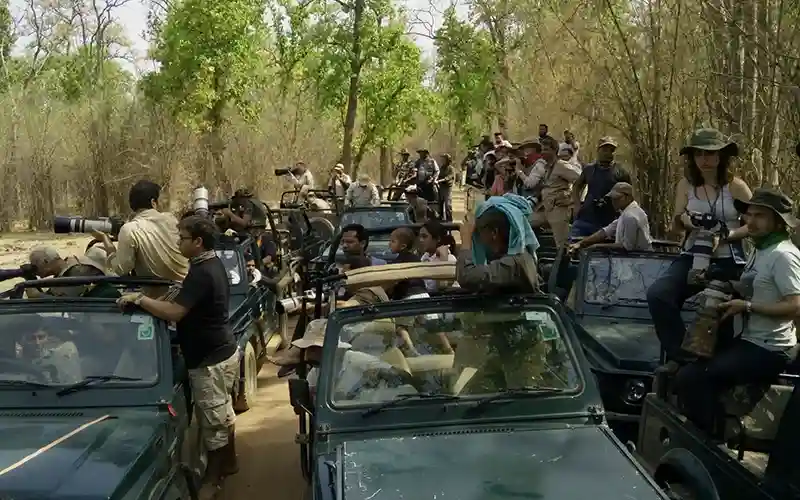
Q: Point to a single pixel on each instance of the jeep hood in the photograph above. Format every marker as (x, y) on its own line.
(627, 344)
(73, 457)
(555, 464)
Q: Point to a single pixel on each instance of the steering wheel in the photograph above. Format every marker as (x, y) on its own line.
(11, 365)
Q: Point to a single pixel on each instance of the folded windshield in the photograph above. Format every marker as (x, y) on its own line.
(450, 354)
(615, 280)
(62, 349)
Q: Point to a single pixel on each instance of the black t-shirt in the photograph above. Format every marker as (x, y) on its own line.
(599, 181)
(203, 333)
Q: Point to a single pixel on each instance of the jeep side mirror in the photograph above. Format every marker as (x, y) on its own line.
(300, 396)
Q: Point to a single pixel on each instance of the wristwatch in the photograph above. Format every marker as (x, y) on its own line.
(138, 300)
(748, 307)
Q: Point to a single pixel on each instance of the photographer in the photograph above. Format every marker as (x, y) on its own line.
(246, 213)
(708, 189)
(339, 181)
(49, 263)
(447, 176)
(148, 244)
(555, 178)
(770, 285)
(594, 213)
(300, 176)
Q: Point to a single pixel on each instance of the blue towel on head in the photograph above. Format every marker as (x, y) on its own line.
(521, 238)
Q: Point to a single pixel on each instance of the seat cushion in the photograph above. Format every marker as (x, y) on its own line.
(761, 416)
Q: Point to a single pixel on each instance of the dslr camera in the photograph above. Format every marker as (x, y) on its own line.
(706, 239)
(280, 172)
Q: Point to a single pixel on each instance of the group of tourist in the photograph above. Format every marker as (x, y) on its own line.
(769, 286)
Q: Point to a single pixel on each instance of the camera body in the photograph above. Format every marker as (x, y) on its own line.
(602, 202)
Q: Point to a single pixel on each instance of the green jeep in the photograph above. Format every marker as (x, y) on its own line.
(497, 402)
(95, 403)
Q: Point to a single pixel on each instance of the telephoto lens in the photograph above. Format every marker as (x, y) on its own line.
(200, 201)
(69, 224)
(282, 171)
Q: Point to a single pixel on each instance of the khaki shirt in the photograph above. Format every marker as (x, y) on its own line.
(148, 245)
(509, 273)
(557, 185)
(362, 196)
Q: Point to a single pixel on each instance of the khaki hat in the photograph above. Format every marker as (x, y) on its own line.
(528, 142)
(403, 152)
(338, 166)
(621, 188)
(607, 141)
(314, 335)
(709, 139)
(773, 200)
(422, 149)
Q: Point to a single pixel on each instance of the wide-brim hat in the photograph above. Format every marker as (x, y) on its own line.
(422, 150)
(772, 199)
(709, 139)
(403, 152)
(314, 336)
(527, 143)
(339, 167)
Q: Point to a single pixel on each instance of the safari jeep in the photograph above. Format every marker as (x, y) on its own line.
(496, 402)
(95, 403)
(605, 292)
(755, 458)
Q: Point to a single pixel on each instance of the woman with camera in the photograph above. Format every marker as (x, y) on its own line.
(706, 193)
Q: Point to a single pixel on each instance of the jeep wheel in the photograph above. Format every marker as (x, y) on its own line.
(247, 391)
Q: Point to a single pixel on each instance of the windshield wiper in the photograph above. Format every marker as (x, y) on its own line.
(23, 383)
(515, 392)
(408, 397)
(92, 379)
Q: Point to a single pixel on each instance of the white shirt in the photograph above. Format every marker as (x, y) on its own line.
(305, 179)
(432, 285)
(631, 229)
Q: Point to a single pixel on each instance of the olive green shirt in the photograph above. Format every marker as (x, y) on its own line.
(515, 273)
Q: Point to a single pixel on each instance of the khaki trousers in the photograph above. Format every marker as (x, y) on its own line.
(558, 220)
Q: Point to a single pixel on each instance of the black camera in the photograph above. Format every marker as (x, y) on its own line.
(69, 224)
(282, 171)
(602, 202)
(703, 220)
(27, 271)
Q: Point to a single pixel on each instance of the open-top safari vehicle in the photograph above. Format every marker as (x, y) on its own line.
(95, 403)
(496, 401)
(605, 295)
(753, 455)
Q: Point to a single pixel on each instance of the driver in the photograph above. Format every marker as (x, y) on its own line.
(59, 361)
(630, 230)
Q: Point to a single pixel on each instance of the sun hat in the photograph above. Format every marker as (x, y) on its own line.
(620, 189)
(314, 335)
(774, 200)
(709, 139)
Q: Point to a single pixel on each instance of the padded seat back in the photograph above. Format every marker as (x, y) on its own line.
(761, 416)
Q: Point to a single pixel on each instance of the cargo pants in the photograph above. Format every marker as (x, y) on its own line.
(211, 390)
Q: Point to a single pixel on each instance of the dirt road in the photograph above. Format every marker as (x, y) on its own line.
(268, 458)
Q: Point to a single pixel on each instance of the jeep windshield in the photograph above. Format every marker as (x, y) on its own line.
(616, 280)
(65, 348)
(376, 217)
(455, 355)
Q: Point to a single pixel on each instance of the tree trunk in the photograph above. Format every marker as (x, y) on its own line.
(352, 94)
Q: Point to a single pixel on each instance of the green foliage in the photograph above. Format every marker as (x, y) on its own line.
(211, 57)
(465, 71)
(391, 92)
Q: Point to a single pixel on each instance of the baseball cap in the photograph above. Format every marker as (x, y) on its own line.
(620, 189)
(607, 140)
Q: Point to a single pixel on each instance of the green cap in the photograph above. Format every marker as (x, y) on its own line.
(709, 139)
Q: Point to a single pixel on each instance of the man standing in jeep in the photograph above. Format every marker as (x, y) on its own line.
(200, 311)
(596, 211)
(246, 213)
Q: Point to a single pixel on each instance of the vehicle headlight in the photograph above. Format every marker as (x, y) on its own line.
(635, 391)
